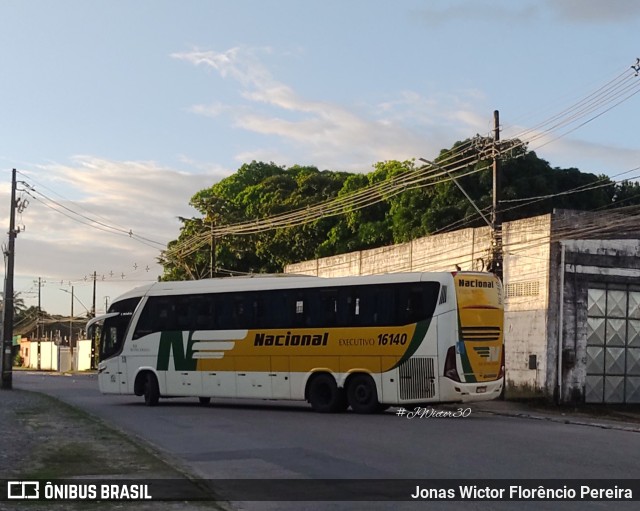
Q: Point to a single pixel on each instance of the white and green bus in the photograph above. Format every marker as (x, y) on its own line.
(366, 342)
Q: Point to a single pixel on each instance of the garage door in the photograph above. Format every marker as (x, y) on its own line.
(613, 345)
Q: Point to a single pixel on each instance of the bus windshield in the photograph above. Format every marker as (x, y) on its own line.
(115, 327)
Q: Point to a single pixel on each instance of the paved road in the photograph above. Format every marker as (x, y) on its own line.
(258, 439)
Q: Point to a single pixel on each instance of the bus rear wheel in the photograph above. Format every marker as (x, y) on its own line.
(151, 390)
(325, 396)
(362, 394)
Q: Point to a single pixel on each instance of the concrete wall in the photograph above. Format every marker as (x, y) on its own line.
(526, 245)
(468, 248)
(43, 355)
(47, 356)
(82, 355)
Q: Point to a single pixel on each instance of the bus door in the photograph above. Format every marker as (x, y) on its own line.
(105, 335)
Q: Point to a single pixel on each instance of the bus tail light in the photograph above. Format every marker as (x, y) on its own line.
(450, 370)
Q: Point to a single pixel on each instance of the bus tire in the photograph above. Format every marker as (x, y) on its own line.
(151, 390)
(324, 395)
(362, 394)
(204, 400)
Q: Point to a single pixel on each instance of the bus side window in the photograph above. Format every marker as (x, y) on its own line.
(256, 302)
(203, 312)
(417, 302)
(383, 307)
(181, 317)
(242, 314)
(162, 312)
(415, 306)
(224, 314)
(410, 304)
(353, 304)
(327, 309)
(277, 313)
(145, 323)
(300, 310)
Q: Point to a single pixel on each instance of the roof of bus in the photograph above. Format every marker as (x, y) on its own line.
(261, 282)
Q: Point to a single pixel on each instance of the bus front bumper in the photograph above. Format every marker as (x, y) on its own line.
(469, 392)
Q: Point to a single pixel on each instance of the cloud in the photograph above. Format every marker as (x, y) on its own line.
(140, 197)
(595, 11)
(328, 134)
(591, 157)
(574, 11)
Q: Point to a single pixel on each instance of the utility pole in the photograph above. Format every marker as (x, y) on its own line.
(93, 315)
(496, 217)
(71, 325)
(7, 331)
(39, 317)
(93, 304)
(212, 258)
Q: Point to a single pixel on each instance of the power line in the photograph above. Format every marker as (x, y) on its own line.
(84, 219)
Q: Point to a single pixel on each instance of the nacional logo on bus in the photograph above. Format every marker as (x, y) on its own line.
(476, 283)
(287, 339)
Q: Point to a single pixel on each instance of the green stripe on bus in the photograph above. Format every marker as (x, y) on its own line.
(418, 336)
(467, 370)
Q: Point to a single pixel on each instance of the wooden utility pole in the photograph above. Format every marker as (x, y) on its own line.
(7, 331)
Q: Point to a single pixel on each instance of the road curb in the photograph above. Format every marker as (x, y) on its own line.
(566, 420)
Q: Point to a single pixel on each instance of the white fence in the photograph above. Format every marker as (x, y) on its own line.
(47, 356)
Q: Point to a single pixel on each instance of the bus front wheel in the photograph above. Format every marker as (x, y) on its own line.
(151, 390)
(362, 394)
(325, 396)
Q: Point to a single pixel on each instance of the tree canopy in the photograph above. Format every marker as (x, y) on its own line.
(423, 204)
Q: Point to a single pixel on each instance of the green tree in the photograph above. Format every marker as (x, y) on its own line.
(257, 190)
(18, 304)
(431, 202)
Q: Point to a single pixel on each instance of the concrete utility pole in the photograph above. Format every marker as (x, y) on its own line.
(496, 217)
(93, 315)
(93, 306)
(39, 317)
(7, 331)
(71, 325)
(212, 257)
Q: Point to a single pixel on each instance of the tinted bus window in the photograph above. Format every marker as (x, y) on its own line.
(114, 329)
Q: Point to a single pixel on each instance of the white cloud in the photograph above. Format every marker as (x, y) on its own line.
(141, 197)
(331, 135)
(590, 157)
(595, 11)
(575, 11)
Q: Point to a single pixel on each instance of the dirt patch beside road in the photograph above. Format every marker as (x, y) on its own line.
(43, 438)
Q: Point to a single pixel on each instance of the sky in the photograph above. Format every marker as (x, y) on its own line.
(121, 111)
